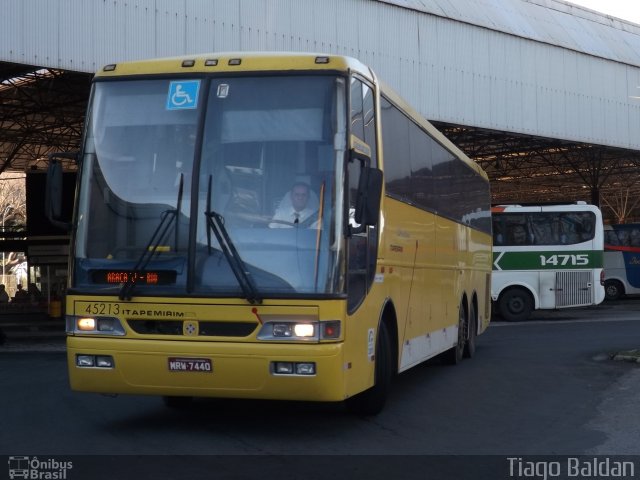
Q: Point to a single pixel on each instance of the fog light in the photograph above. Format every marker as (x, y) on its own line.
(283, 368)
(104, 361)
(85, 360)
(306, 368)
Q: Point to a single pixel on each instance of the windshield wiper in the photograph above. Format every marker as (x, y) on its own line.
(215, 222)
(166, 220)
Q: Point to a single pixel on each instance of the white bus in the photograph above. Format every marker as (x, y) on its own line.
(546, 257)
(621, 260)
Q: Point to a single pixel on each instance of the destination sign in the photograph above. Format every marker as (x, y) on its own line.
(147, 277)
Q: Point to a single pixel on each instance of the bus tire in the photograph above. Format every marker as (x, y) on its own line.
(515, 305)
(454, 355)
(177, 403)
(470, 345)
(372, 400)
(613, 290)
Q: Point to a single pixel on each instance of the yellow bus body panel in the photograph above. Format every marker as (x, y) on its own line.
(241, 366)
(427, 264)
(141, 367)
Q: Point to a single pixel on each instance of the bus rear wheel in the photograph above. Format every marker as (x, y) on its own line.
(515, 305)
(372, 401)
(454, 355)
(613, 290)
(470, 346)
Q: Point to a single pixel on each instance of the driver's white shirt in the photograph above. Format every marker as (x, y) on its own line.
(287, 213)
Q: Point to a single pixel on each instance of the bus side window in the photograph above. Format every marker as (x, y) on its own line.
(498, 231)
(518, 235)
(540, 230)
(623, 236)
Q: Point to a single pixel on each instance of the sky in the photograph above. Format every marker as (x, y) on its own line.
(626, 9)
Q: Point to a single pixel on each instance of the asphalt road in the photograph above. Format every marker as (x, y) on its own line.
(544, 387)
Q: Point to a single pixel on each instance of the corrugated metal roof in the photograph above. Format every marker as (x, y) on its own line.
(541, 67)
(550, 21)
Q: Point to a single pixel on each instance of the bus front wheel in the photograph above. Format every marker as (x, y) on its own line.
(371, 401)
(515, 305)
(613, 290)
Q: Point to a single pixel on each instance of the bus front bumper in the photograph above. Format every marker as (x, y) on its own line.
(148, 367)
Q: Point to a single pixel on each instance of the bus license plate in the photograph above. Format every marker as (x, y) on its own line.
(190, 365)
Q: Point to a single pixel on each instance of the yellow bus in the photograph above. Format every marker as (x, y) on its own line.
(268, 226)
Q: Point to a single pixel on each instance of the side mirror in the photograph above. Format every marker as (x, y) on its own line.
(367, 208)
(369, 193)
(53, 193)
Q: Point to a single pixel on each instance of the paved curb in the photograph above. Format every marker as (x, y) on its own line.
(626, 356)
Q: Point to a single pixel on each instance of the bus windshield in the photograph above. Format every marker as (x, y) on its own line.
(213, 187)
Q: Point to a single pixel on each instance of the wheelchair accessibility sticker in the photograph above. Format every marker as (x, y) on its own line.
(183, 94)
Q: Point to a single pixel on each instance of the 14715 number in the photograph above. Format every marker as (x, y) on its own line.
(561, 260)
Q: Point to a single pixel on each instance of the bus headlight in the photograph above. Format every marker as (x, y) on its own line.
(86, 324)
(306, 331)
(94, 325)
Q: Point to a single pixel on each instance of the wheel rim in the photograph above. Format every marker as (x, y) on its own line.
(516, 304)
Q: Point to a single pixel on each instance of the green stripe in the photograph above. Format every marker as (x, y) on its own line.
(552, 260)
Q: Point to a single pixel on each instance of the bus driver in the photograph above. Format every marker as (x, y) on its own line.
(296, 207)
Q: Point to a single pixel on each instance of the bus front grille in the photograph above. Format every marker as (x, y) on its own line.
(574, 289)
(206, 328)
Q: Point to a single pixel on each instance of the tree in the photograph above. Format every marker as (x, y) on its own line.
(13, 215)
(621, 203)
(13, 202)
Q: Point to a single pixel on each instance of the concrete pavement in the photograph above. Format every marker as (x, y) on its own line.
(31, 331)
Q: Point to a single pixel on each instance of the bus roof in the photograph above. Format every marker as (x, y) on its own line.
(568, 207)
(229, 62)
